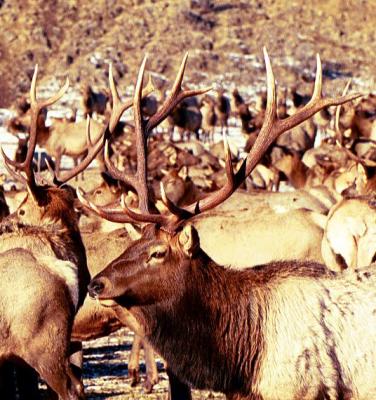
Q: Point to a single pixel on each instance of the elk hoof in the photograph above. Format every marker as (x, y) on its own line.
(148, 386)
(134, 374)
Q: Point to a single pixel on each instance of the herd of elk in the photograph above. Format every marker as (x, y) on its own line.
(169, 280)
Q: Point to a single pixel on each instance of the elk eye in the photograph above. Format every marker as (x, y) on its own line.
(21, 212)
(158, 254)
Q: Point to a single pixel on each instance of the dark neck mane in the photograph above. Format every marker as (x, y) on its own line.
(211, 332)
(201, 328)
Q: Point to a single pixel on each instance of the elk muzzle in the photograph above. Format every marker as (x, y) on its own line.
(98, 286)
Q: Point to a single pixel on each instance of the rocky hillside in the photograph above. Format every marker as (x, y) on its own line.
(224, 38)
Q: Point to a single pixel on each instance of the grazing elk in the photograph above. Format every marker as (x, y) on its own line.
(237, 325)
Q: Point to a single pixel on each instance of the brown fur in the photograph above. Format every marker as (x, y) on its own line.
(233, 320)
(42, 243)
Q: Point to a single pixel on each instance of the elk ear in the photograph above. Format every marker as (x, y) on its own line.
(189, 240)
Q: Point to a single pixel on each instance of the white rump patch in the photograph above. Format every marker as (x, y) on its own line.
(67, 271)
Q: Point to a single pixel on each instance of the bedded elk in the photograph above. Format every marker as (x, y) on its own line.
(165, 275)
(350, 235)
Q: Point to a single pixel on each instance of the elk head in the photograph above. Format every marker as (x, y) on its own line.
(148, 271)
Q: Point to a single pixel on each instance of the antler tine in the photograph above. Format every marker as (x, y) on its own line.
(36, 107)
(113, 215)
(92, 153)
(144, 217)
(115, 172)
(317, 90)
(338, 112)
(33, 92)
(181, 213)
(174, 98)
(141, 185)
(271, 129)
(7, 161)
(118, 108)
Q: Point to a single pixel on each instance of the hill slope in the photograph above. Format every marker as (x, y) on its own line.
(224, 38)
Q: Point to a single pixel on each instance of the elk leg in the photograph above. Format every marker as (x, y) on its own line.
(56, 371)
(177, 389)
(76, 358)
(61, 379)
(133, 364)
(151, 367)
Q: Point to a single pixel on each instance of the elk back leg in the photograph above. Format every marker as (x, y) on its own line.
(58, 156)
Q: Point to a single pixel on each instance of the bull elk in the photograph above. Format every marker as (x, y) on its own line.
(229, 330)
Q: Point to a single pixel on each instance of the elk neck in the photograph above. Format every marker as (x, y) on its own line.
(211, 300)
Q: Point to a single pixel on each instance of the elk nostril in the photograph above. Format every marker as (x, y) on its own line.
(95, 288)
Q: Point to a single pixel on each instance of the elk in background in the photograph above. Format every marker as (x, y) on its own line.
(93, 102)
(165, 275)
(187, 117)
(223, 110)
(240, 108)
(209, 118)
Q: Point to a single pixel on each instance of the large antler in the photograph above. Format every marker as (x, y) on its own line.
(35, 108)
(271, 129)
(142, 130)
